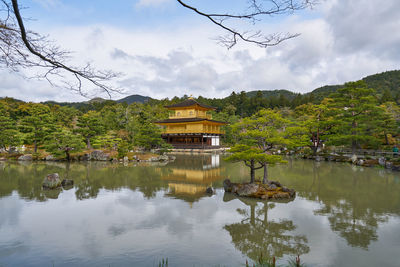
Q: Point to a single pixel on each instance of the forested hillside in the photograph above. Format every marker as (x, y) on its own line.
(354, 116)
(386, 84)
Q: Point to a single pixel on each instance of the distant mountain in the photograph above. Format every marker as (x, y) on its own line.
(274, 93)
(387, 83)
(389, 80)
(96, 100)
(381, 82)
(324, 91)
(134, 99)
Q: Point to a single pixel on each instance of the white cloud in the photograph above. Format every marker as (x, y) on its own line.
(181, 59)
(49, 3)
(148, 3)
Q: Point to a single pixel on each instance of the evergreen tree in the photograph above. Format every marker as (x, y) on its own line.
(316, 121)
(63, 142)
(65, 116)
(9, 135)
(258, 135)
(37, 124)
(357, 118)
(90, 125)
(253, 157)
(386, 96)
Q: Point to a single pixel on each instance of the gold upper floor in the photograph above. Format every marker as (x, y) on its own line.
(199, 127)
(189, 113)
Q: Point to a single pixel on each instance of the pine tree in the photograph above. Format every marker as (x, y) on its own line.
(258, 135)
(37, 124)
(63, 142)
(9, 135)
(90, 125)
(357, 117)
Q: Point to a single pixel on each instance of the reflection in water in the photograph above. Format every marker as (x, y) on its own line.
(255, 235)
(356, 200)
(189, 177)
(129, 214)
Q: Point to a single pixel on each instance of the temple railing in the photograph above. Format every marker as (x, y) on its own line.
(192, 132)
(193, 146)
(207, 116)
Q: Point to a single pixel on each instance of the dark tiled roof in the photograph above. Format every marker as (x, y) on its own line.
(187, 120)
(188, 103)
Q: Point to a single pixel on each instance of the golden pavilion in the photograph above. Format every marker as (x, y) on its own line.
(189, 126)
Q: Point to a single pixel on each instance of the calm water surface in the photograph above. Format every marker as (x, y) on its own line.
(135, 215)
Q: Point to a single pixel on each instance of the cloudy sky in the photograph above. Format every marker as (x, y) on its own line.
(164, 50)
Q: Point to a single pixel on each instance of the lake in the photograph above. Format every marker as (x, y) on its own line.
(139, 214)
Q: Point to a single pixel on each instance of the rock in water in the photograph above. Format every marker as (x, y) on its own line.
(86, 157)
(273, 186)
(382, 161)
(276, 183)
(396, 168)
(227, 185)
(50, 158)
(52, 181)
(67, 182)
(209, 190)
(272, 190)
(163, 158)
(99, 155)
(388, 165)
(27, 157)
(247, 190)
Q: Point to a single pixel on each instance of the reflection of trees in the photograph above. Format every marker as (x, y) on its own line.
(27, 180)
(256, 235)
(89, 178)
(355, 200)
(351, 212)
(359, 229)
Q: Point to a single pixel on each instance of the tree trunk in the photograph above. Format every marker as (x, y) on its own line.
(252, 214)
(354, 143)
(35, 146)
(252, 172)
(314, 149)
(386, 139)
(265, 213)
(67, 154)
(88, 142)
(265, 178)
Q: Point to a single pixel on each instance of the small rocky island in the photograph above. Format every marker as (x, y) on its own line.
(270, 190)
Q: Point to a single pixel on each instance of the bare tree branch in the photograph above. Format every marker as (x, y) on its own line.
(256, 11)
(22, 49)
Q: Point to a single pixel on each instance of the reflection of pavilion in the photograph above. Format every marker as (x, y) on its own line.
(189, 177)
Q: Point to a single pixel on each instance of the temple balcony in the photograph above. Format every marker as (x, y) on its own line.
(189, 131)
(207, 116)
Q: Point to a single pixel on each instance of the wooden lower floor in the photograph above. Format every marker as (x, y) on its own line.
(193, 141)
